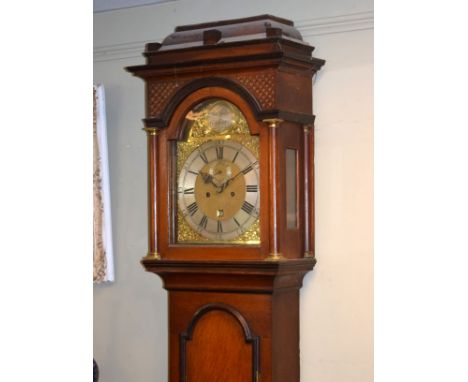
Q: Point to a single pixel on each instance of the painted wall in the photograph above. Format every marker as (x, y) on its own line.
(130, 315)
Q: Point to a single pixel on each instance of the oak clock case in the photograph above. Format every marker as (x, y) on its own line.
(230, 143)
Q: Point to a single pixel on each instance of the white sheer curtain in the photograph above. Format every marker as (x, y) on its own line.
(103, 264)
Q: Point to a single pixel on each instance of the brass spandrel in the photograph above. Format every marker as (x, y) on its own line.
(186, 235)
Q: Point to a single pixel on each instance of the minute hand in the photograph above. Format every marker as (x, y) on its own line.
(226, 183)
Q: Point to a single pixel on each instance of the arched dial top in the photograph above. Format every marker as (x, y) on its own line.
(218, 184)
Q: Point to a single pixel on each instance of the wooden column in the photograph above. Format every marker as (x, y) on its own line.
(152, 140)
(275, 246)
(309, 203)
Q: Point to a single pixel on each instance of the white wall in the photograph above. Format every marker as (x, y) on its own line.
(130, 315)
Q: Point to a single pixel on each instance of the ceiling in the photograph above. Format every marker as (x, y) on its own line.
(109, 5)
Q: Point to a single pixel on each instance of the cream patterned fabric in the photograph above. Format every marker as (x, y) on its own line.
(102, 251)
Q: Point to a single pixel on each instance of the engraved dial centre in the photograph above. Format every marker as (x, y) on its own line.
(220, 190)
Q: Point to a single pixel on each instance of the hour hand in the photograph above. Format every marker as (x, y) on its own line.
(208, 178)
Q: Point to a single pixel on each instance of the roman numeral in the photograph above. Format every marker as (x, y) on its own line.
(203, 157)
(238, 224)
(190, 190)
(235, 156)
(249, 168)
(192, 208)
(193, 172)
(203, 222)
(247, 207)
(252, 188)
(219, 152)
(220, 227)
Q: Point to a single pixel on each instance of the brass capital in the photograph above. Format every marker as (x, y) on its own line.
(273, 122)
(151, 130)
(308, 128)
(309, 254)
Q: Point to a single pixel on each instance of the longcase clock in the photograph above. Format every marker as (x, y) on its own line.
(230, 135)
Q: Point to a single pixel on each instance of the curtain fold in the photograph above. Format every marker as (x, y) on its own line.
(103, 265)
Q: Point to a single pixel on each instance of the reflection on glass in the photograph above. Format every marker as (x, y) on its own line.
(291, 188)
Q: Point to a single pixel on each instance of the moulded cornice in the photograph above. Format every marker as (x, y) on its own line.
(308, 28)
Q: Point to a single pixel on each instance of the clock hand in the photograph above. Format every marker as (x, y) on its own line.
(226, 183)
(205, 176)
(208, 178)
(244, 171)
